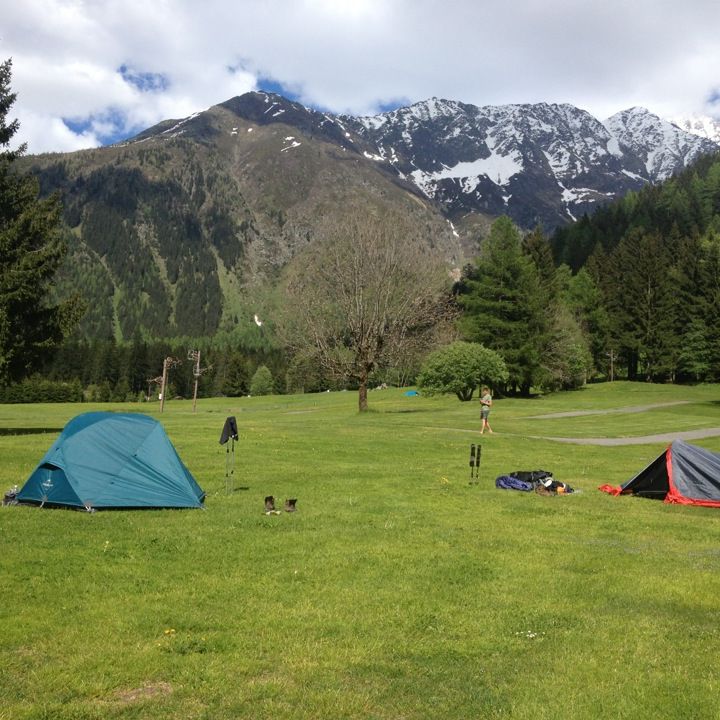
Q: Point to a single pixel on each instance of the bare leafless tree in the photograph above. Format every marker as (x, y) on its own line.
(363, 296)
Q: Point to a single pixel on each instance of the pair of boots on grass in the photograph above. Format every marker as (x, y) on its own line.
(270, 505)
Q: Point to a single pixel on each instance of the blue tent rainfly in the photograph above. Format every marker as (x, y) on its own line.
(112, 460)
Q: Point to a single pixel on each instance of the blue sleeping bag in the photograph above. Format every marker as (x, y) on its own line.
(508, 482)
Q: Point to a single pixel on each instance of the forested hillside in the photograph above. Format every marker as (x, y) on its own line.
(654, 256)
(177, 231)
(177, 240)
(178, 234)
(686, 205)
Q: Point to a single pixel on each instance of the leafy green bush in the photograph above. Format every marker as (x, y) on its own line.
(461, 367)
(37, 389)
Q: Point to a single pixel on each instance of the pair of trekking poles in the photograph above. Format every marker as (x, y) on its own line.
(475, 454)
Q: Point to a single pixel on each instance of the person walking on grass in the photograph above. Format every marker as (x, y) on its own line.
(485, 405)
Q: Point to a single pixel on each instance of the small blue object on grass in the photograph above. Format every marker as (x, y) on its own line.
(412, 393)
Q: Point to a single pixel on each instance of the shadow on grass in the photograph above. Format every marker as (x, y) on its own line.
(29, 431)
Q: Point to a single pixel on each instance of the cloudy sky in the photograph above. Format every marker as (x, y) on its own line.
(88, 72)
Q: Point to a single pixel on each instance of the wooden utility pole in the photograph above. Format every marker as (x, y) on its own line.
(167, 364)
(194, 355)
(611, 355)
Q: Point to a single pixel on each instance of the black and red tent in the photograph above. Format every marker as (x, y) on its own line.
(683, 474)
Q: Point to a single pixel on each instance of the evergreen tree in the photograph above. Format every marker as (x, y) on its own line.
(537, 247)
(503, 305)
(585, 301)
(262, 382)
(138, 369)
(30, 252)
(642, 304)
(232, 377)
(711, 291)
(692, 307)
(566, 361)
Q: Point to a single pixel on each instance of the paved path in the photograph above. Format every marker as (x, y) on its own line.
(641, 440)
(629, 409)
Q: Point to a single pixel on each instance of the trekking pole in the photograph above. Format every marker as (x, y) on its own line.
(475, 451)
(230, 462)
(229, 432)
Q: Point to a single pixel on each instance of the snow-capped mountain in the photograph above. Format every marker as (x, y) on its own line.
(211, 204)
(701, 125)
(663, 148)
(541, 163)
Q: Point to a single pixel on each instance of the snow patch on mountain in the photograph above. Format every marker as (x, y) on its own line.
(664, 148)
(539, 163)
(177, 128)
(498, 168)
(701, 125)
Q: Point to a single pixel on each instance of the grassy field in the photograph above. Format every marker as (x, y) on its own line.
(398, 590)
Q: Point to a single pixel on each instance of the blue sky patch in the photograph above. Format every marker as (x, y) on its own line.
(144, 81)
(273, 86)
(78, 126)
(109, 127)
(391, 105)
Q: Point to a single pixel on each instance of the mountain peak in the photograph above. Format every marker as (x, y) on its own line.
(703, 126)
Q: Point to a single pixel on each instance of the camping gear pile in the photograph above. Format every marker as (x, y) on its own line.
(684, 474)
(540, 481)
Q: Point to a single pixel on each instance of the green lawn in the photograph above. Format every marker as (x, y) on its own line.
(398, 590)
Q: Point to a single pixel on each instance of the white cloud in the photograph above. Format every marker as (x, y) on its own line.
(351, 56)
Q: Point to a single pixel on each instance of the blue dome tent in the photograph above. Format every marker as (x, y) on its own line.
(112, 460)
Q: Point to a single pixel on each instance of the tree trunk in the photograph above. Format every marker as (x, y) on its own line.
(362, 396)
(632, 365)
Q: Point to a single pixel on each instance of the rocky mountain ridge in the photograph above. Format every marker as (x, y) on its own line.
(173, 231)
(541, 163)
(538, 163)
